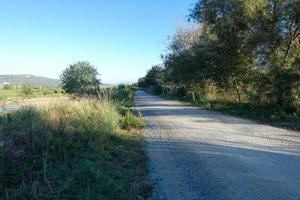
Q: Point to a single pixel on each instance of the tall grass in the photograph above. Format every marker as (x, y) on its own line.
(70, 150)
(124, 96)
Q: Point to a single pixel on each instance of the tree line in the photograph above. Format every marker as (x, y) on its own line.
(243, 50)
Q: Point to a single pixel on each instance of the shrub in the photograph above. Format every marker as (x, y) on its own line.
(26, 90)
(124, 95)
(47, 91)
(7, 86)
(130, 121)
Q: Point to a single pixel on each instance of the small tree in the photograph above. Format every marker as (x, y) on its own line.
(80, 78)
(7, 86)
(26, 89)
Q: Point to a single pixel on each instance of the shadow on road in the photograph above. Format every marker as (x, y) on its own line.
(226, 172)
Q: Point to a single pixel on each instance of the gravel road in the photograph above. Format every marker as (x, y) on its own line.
(199, 154)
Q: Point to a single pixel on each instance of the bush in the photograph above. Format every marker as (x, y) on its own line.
(26, 90)
(47, 91)
(7, 86)
(130, 121)
(124, 95)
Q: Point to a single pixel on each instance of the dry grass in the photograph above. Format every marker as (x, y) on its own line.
(70, 150)
(16, 94)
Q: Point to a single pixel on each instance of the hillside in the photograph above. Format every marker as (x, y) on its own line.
(29, 79)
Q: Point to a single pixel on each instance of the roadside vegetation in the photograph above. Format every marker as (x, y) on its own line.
(239, 57)
(87, 147)
(15, 93)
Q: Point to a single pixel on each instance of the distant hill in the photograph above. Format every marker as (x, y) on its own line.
(28, 79)
(35, 81)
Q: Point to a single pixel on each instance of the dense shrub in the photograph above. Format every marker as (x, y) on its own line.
(130, 121)
(123, 95)
(26, 89)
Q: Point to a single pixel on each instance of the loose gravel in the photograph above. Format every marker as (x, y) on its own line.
(200, 154)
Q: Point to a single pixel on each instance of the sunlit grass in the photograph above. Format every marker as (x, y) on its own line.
(21, 92)
(75, 149)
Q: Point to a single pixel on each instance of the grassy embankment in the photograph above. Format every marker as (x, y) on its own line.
(225, 103)
(17, 93)
(78, 149)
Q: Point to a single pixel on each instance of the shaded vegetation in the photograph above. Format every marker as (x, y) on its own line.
(240, 57)
(272, 115)
(71, 150)
(124, 96)
(76, 149)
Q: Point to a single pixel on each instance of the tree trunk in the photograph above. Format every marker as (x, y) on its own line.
(237, 89)
(193, 95)
(292, 39)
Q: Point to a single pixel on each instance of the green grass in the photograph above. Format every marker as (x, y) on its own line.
(20, 92)
(71, 150)
(124, 96)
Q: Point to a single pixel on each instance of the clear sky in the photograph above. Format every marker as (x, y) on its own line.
(121, 38)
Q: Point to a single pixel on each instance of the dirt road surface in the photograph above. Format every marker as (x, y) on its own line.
(199, 154)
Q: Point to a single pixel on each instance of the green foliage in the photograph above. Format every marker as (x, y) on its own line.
(247, 48)
(124, 96)
(70, 150)
(80, 78)
(154, 77)
(7, 86)
(26, 90)
(130, 121)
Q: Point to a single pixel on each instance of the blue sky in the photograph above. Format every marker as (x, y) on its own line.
(121, 38)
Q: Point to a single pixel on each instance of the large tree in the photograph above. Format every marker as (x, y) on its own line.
(251, 47)
(276, 43)
(228, 28)
(80, 78)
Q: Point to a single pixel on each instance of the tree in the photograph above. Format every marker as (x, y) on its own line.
(7, 86)
(228, 26)
(276, 43)
(80, 78)
(250, 47)
(154, 77)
